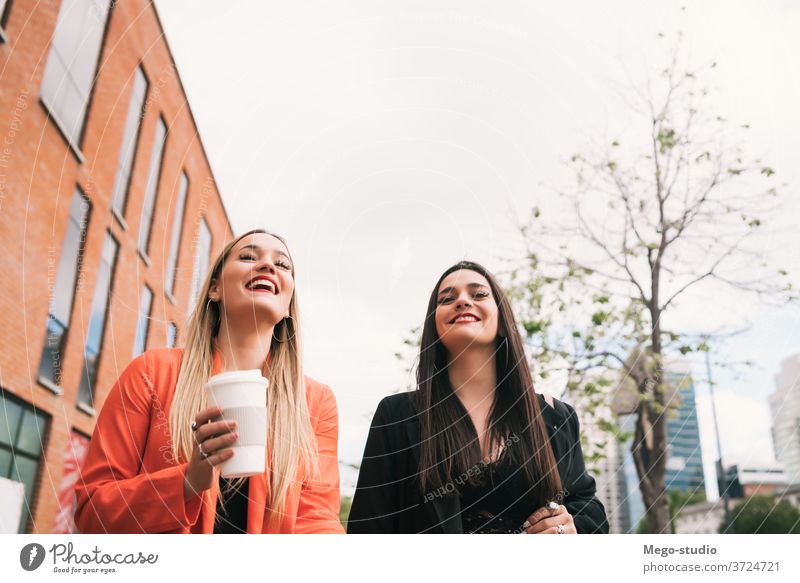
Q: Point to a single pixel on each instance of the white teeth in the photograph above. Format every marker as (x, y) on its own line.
(466, 319)
(262, 284)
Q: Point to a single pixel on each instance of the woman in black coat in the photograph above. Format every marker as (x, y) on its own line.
(474, 449)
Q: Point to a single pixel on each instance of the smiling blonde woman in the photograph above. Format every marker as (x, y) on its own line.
(152, 461)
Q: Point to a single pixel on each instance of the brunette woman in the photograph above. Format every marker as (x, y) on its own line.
(152, 463)
(474, 448)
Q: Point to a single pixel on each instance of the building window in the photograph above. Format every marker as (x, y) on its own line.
(143, 321)
(133, 122)
(151, 188)
(172, 335)
(72, 63)
(97, 321)
(23, 433)
(62, 281)
(175, 240)
(201, 261)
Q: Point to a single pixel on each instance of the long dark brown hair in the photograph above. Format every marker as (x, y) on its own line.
(449, 442)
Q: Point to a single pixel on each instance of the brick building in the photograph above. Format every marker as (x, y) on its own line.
(109, 214)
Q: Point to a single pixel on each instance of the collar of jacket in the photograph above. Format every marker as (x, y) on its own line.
(447, 509)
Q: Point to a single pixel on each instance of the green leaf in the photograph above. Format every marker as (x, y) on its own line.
(767, 171)
(532, 328)
(667, 139)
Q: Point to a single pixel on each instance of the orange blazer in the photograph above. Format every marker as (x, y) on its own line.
(131, 483)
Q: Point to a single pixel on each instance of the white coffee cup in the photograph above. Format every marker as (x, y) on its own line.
(242, 395)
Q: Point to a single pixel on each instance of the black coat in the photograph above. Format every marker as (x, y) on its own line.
(387, 500)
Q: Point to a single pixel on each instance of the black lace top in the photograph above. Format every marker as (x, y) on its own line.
(233, 518)
(498, 502)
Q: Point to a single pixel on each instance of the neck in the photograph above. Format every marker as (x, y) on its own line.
(243, 347)
(473, 374)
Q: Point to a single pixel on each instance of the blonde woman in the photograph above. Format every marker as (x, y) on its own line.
(151, 466)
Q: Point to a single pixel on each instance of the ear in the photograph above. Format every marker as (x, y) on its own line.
(501, 330)
(213, 291)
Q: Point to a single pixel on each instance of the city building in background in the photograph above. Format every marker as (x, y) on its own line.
(685, 457)
(784, 406)
(604, 456)
(743, 481)
(684, 472)
(109, 214)
(702, 518)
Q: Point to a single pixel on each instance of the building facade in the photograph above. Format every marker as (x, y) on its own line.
(684, 471)
(604, 459)
(784, 406)
(685, 457)
(109, 215)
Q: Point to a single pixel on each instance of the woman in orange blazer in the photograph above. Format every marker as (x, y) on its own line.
(151, 465)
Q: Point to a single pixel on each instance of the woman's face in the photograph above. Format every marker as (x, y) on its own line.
(466, 312)
(256, 281)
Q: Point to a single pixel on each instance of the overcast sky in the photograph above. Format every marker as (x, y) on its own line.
(387, 140)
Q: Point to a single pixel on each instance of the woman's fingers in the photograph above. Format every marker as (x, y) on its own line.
(207, 415)
(210, 430)
(545, 524)
(568, 529)
(220, 457)
(544, 512)
(211, 446)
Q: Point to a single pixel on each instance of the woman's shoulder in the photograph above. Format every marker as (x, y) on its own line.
(156, 358)
(318, 394)
(150, 375)
(555, 409)
(399, 405)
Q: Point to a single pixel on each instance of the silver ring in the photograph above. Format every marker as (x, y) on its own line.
(194, 426)
(200, 449)
(552, 506)
(560, 529)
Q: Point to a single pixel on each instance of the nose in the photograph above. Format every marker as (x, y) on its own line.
(463, 302)
(266, 264)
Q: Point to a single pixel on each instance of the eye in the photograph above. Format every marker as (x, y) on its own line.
(481, 295)
(283, 264)
(247, 256)
(445, 300)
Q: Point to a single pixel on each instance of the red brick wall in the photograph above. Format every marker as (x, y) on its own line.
(38, 175)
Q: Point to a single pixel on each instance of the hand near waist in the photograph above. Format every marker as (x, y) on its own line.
(550, 519)
(213, 440)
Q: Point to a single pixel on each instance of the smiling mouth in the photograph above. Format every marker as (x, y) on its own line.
(465, 319)
(262, 286)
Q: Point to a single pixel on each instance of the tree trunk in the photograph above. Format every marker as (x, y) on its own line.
(649, 446)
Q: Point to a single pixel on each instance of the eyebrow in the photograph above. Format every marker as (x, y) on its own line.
(470, 286)
(260, 249)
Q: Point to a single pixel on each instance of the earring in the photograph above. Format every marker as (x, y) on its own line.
(504, 348)
(285, 324)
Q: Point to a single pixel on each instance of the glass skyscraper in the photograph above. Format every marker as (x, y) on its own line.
(684, 453)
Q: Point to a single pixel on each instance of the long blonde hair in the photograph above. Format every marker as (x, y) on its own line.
(291, 444)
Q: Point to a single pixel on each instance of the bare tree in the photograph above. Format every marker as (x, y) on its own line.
(676, 210)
